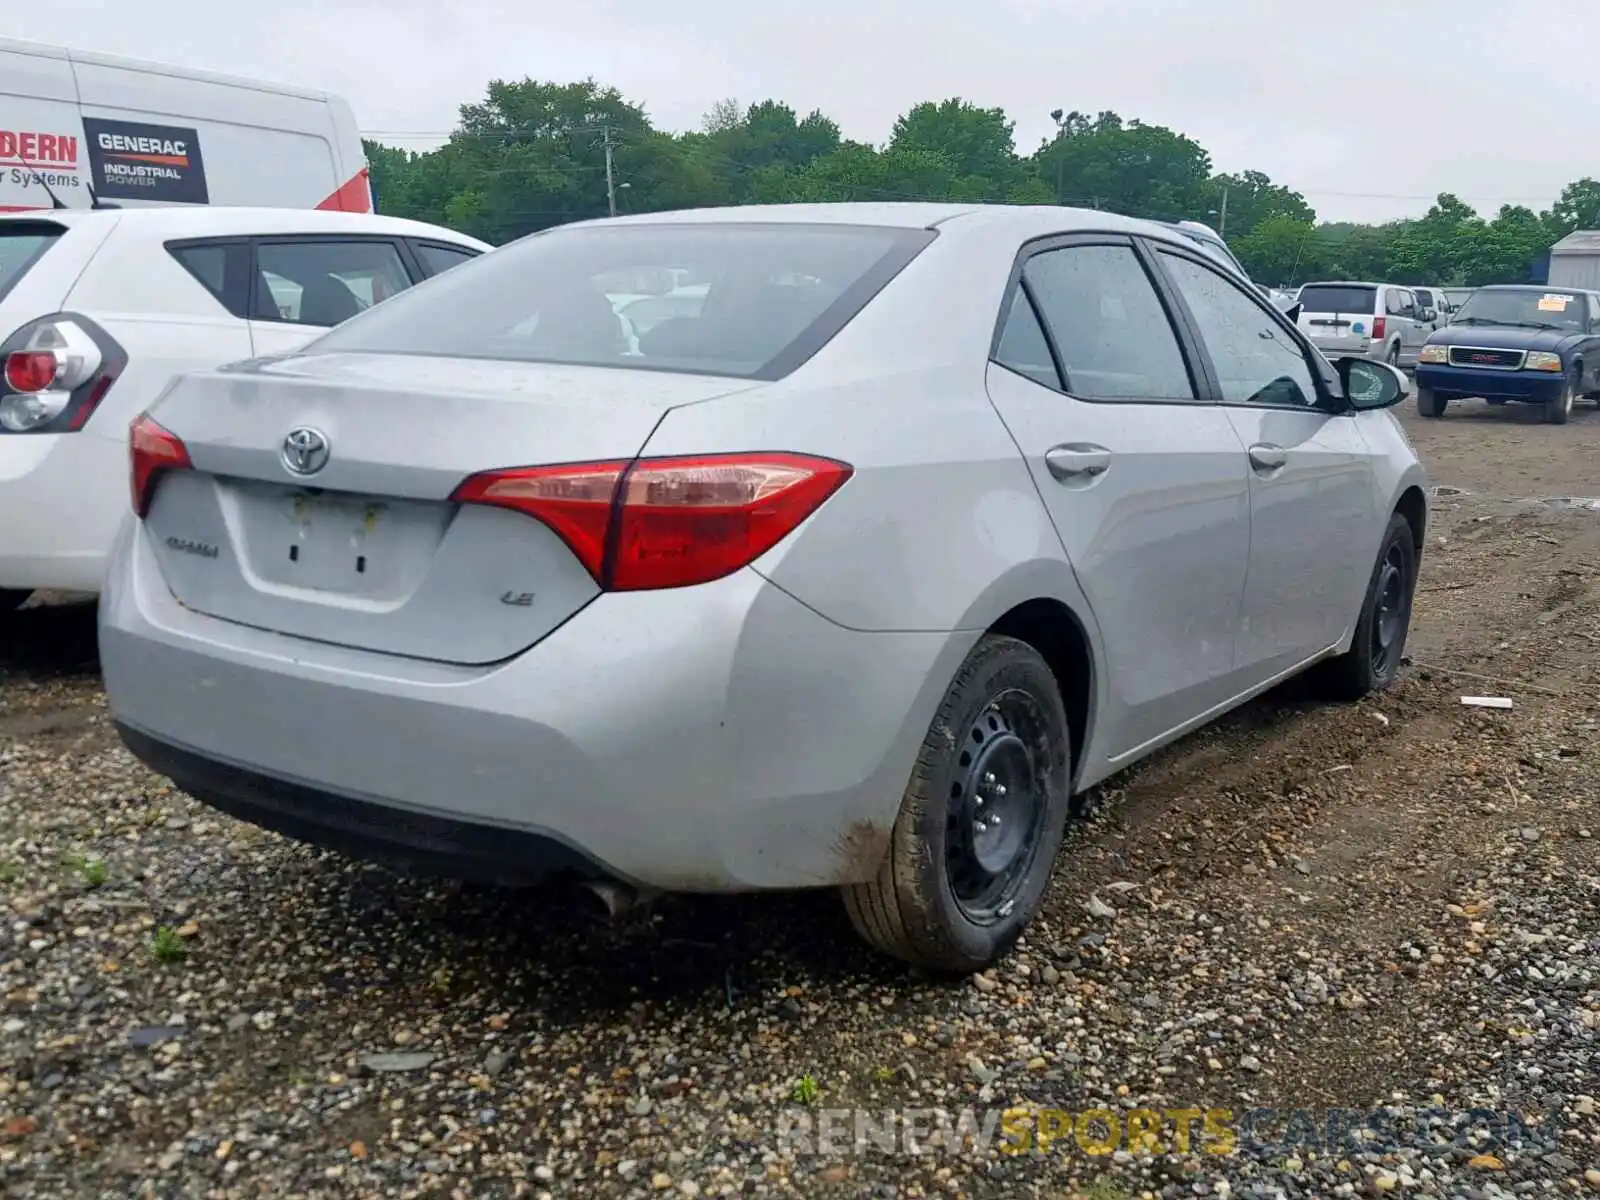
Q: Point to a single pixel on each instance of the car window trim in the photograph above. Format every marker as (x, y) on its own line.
(1047, 243)
(237, 263)
(297, 239)
(1327, 402)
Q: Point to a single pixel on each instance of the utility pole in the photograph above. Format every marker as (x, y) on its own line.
(611, 188)
(1223, 232)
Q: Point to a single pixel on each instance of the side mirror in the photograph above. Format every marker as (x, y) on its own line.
(1429, 314)
(1369, 385)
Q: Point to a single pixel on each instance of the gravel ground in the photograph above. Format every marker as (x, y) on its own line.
(1389, 909)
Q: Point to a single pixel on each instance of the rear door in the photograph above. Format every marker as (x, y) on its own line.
(304, 284)
(1311, 506)
(1337, 317)
(1144, 481)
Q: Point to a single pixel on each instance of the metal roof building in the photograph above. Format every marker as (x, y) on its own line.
(1575, 260)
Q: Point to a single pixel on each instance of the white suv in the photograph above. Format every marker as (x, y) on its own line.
(99, 309)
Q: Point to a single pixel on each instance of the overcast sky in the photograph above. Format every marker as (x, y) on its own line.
(1369, 109)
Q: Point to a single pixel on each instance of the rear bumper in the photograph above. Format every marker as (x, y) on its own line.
(717, 738)
(63, 495)
(1536, 387)
(1333, 348)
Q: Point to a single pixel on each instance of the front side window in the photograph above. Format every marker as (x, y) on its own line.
(1113, 335)
(746, 300)
(1255, 359)
(325, 282)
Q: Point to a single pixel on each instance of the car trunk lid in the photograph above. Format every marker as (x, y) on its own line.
(367, 549)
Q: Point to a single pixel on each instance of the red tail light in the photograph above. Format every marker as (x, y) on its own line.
(666, 522)
(152, 450)
(54, 372)
(1378, 326)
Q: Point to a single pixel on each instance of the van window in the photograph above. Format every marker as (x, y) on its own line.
(23, 243)
(325, 282)
(1337, 298)
(437, 259)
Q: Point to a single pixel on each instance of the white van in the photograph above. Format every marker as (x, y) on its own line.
(89, 127)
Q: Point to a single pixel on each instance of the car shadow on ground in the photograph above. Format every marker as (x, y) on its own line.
(50, 640)
(551, 951)
(1516, 414)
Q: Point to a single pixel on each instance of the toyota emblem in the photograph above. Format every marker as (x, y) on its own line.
(305, 450)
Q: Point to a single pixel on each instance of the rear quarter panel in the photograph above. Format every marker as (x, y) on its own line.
(161, 315)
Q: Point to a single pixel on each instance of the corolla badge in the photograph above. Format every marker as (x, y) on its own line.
(305, 450)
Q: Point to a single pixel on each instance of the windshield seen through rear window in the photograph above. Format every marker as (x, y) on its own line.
(752, 301)
(21, 245)
(1535, 310)
(1337, 298)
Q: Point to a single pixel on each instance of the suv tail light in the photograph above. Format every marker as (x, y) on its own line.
(55, 373)
(665, 522)
(1378, 326)
(151, 450)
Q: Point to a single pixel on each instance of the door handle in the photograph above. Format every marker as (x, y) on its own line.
(1077, 460)
(1266, 457)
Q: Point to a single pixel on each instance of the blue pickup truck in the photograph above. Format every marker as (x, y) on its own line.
(1516, 344)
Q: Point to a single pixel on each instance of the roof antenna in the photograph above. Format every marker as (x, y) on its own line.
(95, 201)
(55, 200)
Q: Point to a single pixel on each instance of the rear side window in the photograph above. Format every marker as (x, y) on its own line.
(437, 259)
(1337, 298)
(325, 282)
(751, 301)
(1113, 335)
(1022, 347)
(23, 243)
(208, 264)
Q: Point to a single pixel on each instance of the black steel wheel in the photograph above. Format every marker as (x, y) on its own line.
(1378, 646)
(981, 820)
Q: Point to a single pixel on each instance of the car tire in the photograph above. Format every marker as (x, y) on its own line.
(1373, 661)
(952, 893)
(1393, 357)
(1558, 410)
(11, 599)
(1430, 403)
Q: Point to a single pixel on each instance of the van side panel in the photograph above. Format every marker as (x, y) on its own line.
(40, 133)
(255, 146)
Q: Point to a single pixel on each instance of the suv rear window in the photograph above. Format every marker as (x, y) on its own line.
(751, 301)
(21, 245)
(1337, 298)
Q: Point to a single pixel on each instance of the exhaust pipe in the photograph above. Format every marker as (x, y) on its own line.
(616, 898)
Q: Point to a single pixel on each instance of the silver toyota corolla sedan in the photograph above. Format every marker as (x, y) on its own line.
(903, 525)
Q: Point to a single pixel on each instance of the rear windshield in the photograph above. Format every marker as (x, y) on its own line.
(21, 245)
(752, 301)
(1531, 309)
(1337, 298)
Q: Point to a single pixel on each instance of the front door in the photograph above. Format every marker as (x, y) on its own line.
(1145, 482)
(1311, 489)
